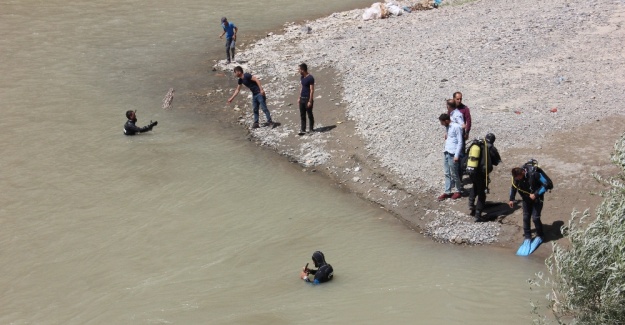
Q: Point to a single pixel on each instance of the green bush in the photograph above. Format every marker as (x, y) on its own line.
(587, 275)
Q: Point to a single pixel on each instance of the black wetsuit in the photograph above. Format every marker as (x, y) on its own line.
(325, 272)
(131, 129)
(480, 183)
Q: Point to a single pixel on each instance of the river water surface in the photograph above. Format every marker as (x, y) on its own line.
(190, 223)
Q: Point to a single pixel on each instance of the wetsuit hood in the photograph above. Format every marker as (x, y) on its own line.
(319, 259)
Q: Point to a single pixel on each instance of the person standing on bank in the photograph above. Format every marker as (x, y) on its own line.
(532, 188)
(230, 30)
(451, 158)
(306, 100)
(130, 128)
(466, 114)
(258, 95)
(488, 157)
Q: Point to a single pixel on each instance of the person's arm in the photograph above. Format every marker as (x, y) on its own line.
(236, 92)
(467, 122)
(222, 34)
(262, 91)
(131, 128)
(494, 154)
(312, 94)
(458, 131)
(512, 194)
(234, 37)
(543, 187)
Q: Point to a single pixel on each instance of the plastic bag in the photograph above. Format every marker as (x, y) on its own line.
(376, 11)
(394, 9)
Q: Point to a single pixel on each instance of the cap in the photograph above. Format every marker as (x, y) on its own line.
(129, 113)
(223, 19)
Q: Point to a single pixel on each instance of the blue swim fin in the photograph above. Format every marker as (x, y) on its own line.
(535, 243)
(524, 250)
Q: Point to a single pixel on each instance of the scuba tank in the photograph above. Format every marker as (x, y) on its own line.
(475, 155)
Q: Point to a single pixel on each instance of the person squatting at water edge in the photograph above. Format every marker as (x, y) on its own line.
(230, 30)
(258, 95)
(323, 273)
(480, 158)
(305, 99)
(532, 187)
(131, 129)
(451, 158)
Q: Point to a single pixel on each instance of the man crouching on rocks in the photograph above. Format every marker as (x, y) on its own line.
(451, 157)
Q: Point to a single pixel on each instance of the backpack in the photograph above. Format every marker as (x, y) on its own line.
(532, 168)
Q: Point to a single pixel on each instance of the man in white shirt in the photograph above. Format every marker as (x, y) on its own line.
(451, 158)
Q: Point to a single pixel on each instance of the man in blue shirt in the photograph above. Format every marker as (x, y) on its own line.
(451, 158)
(258, 95)
(231, 36)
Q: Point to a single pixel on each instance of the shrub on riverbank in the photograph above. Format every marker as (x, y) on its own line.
(587, 278)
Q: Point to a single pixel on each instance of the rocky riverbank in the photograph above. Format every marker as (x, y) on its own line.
(530, 72)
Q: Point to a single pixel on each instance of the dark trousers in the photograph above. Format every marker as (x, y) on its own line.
(532, 208)
(477, 191)
(305, 110)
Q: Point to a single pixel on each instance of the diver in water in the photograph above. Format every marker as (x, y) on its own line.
(323, 273)
(131, 129)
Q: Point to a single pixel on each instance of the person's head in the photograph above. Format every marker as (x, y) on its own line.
(303, 69)
(518, 173)
(451, 105)
(131, 115)
(490, 138)
(224, 20)
(319, 259)
(238, 71)
(444, 119)
(458, 98)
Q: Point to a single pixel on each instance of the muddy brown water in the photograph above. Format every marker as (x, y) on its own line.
(191, 223)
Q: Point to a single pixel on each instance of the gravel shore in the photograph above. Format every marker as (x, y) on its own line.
(526, 69)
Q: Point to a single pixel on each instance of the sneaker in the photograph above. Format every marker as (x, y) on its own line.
(302, 132)
(456, 196)
(472, 212)
(255, 125)
(444, 196)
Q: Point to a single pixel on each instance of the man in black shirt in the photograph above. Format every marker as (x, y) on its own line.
(258, 95)
(131, 129)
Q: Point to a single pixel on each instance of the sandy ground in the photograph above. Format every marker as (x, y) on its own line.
(364, 159)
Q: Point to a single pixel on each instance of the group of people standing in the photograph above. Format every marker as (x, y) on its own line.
(259, 98)
(477, 160)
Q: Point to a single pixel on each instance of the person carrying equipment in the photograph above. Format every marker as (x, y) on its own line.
(323, 273)
(531, 182)
(481, 157)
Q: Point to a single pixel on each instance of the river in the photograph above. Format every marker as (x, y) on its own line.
(192, 223)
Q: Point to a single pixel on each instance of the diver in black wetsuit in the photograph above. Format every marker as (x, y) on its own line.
(323, 273)
(131, 129)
